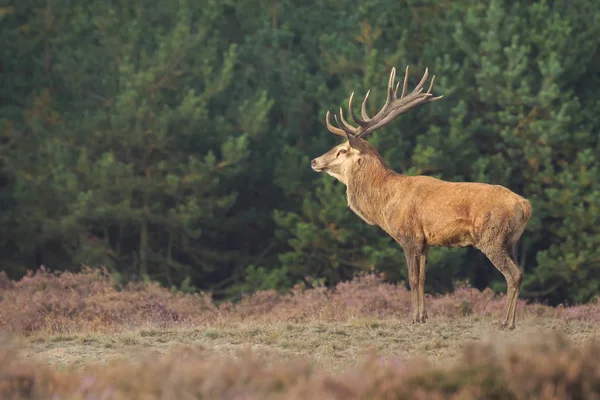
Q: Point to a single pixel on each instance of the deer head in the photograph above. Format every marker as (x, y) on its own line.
(345, 159)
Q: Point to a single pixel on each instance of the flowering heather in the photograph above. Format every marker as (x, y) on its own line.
(92, 301)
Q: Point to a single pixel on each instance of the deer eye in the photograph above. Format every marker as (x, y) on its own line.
(342, 151)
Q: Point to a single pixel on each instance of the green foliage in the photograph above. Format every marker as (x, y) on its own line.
(138, 170)
(172, 141)
(261, 278)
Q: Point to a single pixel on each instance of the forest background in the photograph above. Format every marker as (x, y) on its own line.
(171, 140)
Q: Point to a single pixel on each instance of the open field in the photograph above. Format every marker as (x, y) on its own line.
(330, 345)
(80, 336)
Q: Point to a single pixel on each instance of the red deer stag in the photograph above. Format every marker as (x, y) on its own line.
(420, 211)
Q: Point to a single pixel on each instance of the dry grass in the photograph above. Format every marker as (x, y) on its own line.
(329, 345)
(548, 367)
(81, 336)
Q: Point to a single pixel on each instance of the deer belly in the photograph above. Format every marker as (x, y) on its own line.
(459, 233)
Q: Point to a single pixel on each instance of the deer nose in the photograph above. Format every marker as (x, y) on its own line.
(313, 162)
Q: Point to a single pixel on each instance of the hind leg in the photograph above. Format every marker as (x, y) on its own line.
(502, 257)
(518, 277)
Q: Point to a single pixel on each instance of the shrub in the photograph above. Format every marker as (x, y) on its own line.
(91, 300)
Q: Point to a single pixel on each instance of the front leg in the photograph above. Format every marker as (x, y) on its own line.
(412, 260)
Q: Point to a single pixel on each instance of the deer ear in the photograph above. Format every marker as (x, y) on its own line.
(356, 143)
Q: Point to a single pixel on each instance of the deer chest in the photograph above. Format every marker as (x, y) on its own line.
(360, 209)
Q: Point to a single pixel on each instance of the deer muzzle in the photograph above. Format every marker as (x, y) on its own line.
(315, 165)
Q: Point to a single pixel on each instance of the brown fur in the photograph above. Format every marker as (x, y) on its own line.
(420, 212)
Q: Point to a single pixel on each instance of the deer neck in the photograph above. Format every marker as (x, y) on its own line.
(368, 190)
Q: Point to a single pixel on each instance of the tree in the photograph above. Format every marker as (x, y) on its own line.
(173, 140)
(142, 168)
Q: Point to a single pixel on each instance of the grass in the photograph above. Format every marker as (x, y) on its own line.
(334, 346)
(81, 336)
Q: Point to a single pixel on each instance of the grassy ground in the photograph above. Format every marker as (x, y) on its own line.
(330, 345)
(82, 336)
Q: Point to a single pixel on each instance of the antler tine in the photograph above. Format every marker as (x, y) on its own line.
(354, 117)
(419, 87)
(346, 131)
(333, 129)
(345, 125)
(431, 84)
(363, 108)
(429, 90)
(390, 94)
(405, 84)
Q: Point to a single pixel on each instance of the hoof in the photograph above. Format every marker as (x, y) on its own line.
(506, 326)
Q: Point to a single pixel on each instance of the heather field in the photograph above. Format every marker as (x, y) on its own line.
(82, 336)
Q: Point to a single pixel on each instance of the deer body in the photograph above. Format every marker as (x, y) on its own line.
(440, 212)
(420, 212)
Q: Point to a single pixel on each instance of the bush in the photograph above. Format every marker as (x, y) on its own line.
(91, 300)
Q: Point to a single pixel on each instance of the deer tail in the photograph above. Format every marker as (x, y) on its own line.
(526, 209)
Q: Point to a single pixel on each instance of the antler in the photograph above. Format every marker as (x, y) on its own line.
(393, 107)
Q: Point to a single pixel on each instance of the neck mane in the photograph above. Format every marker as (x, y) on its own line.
(368, 190)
